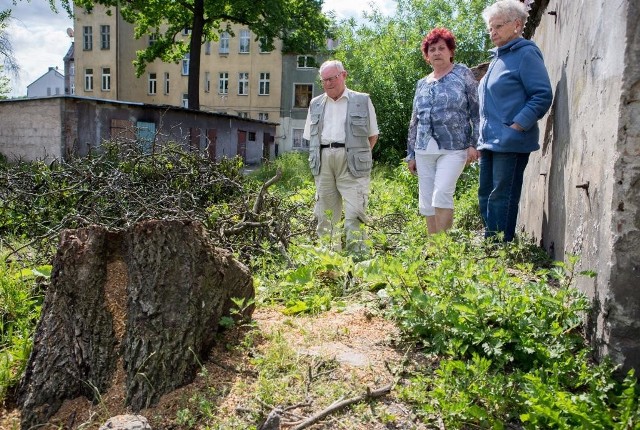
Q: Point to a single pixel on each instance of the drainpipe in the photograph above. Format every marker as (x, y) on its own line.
(117, 68)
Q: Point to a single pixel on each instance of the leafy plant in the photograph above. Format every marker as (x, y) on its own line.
(20, 303)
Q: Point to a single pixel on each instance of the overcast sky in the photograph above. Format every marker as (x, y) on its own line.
(39, 36)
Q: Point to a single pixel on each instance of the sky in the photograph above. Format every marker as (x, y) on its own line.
(39, 36)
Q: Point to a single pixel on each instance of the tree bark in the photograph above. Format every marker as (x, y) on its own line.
(148, 299)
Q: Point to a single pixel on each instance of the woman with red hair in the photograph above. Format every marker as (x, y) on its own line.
(443, 130)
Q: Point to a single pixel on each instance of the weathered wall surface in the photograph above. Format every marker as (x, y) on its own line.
(582, 189)
(31, 129)
(64, 127)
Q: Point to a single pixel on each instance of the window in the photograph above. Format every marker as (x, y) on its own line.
(244, 41)
(298, 141)
(207, 82)
(57, 90)
(48, 91)
(306, 62)
(264, 46)
(243, 83)
(263, 116)
(185, 65)
(264, 84)
(207, 47)
(224, 43)
(243, 114)
(223, 83)
(106, 79)
(88, 79)
(153, 83)
(185, 100)
(251, 136)
(186, 31)
(73, 88)
(166, 82)
(152, 39)
(303, 95)
(105, 37)
(87, 38)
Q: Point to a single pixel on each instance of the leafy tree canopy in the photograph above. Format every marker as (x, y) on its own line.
(384, 59)
(299, 23)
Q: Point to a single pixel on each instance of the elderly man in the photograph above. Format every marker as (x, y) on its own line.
(342, 129)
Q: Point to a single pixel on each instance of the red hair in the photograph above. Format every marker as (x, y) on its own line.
(434, 36)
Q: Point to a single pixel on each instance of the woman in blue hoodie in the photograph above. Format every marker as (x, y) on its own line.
(513, 95)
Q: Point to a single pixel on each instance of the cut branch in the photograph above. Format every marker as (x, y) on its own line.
(341, 404)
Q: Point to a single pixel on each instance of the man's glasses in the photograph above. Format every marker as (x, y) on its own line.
(329, 80)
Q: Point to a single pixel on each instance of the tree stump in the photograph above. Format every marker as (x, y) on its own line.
(146, 300)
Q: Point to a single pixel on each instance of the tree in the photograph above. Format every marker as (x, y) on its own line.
(5, 86)
(6, 49)
(383, 58)
(299, 23)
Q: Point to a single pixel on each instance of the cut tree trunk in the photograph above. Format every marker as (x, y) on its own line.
(147, 300)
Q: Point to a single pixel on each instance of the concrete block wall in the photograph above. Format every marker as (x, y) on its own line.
(581, 192)
(31, 129)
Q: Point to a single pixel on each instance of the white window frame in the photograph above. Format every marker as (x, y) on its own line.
(88, 79)
(245, 42)
(185, 100)
(263, 42)
(243, 83)
(152, 88)
(87, 38)
(223, 46)
(308, 62)
(264, 84)
(166, 82)
(185, 64)
(207, 47)
(106, 79)
(263, 116)
(223, 83)
(105, 37)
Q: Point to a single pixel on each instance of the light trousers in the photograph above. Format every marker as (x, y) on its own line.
(336, 188)
(437, 178)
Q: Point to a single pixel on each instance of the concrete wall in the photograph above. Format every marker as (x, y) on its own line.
(582, 189)
(64, 127)
(31, 129)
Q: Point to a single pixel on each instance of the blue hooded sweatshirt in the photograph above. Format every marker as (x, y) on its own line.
(515, 89)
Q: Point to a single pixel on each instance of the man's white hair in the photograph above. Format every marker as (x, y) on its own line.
(332, 63)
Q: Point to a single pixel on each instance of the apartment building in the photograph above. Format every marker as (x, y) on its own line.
(236, 77)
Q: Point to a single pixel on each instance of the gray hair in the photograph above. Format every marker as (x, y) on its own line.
(332, 63)
(507, 9)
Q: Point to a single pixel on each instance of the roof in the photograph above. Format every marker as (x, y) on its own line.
(55, 71)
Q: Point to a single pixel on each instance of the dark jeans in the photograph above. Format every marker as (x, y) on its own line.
(499, 191)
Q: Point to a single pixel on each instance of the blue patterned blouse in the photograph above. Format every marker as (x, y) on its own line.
(447, 110)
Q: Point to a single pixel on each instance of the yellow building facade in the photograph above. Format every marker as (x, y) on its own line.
(236, 76)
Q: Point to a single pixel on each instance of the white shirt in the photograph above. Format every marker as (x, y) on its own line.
(335, 115)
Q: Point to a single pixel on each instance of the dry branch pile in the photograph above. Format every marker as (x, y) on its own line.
(121, 186)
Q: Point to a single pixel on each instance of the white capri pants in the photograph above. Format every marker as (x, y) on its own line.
(437, 178)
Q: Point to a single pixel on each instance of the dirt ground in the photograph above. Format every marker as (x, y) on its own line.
(361, 342)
